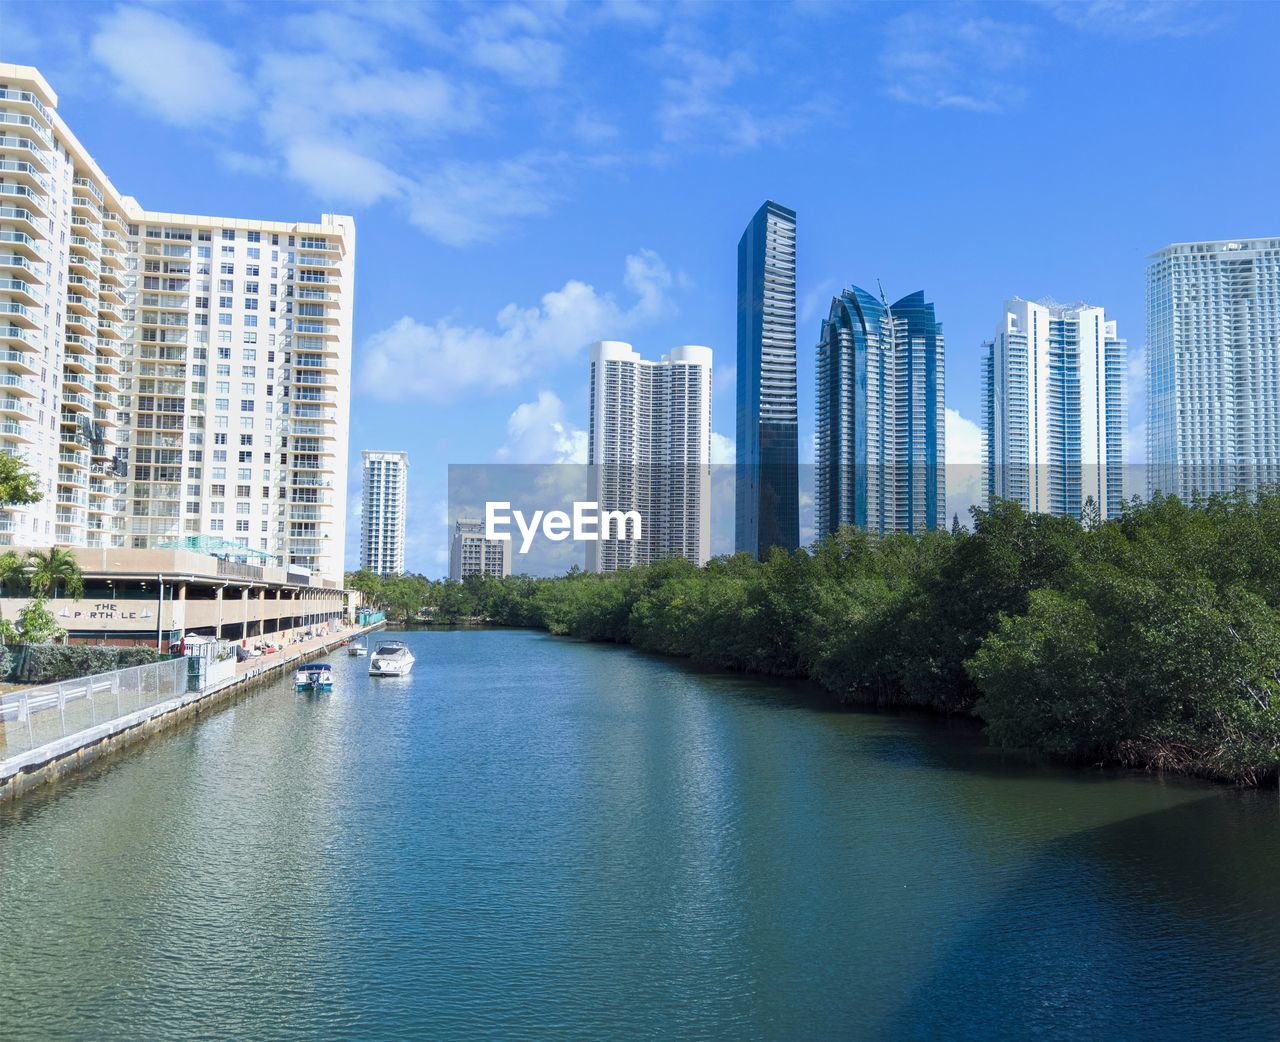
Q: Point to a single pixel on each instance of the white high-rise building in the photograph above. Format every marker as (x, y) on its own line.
(1053, 385)
(1213, 366)
(382, 514)
(472, 554)
(649, 450)
(166, 376)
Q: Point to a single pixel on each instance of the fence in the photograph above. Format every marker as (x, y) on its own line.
(35, 716)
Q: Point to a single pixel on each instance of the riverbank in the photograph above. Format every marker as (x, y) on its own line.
(71, 754)
(1147, 641)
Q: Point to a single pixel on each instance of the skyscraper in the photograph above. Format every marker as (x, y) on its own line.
(1053, 400)
(768, 479)
(472, 554)
(382, 514)
(881, 447)
(1213, 366)
(166, 376)
(650, 451)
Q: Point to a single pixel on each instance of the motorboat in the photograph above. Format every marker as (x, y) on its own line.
(357, 648)
(314, 676)
(392, 659)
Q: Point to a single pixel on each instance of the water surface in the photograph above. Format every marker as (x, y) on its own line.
(534, 838)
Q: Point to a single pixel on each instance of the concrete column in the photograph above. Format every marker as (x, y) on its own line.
(244, 612)
(218, 598)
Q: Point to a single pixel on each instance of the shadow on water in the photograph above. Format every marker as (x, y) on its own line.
(1190, 890)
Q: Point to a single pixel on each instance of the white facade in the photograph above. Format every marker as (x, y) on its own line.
(472, 554)
(167, 376)
(1054, 409)
(382, 513)
(649, 450)
(1213, 366)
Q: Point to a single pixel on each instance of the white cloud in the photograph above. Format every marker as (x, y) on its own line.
(697, 98)
(964, 439)
(1137, 18)
(439, 360)
(539, 432)
(511, 40)
(463, 203)
(953, 60)
(334, 171)
(965, 487)
(160, 63)
(723, 449)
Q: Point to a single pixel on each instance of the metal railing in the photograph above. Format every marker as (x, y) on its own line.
(32, 717)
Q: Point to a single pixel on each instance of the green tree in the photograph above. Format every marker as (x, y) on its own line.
(53, 570)
(36, 624)
(18, 483)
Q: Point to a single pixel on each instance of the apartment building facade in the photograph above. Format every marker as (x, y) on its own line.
(1054, 409)
(382, 511)
(881, 437)
(167, 376)
(649, 450)
(1213, 366)
(470, 553)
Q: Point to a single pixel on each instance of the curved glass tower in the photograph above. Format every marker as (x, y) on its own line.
(767, 493)
(881, 416)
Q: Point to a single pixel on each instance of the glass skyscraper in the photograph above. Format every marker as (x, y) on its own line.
(881, 416)
(767, 493)
(1053, 403)
(1213, 367)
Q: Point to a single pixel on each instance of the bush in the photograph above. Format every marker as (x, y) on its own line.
(48, 663)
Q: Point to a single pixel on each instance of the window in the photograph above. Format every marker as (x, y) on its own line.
(219, 474)
(251, 287)
(228, 269)
(228, 251)
(202, 302)
(246, 439)
(246, 457)
(226, 286)
(254, 253)
(252, 321)
(252, 271)
(219, 439)
(243, 491)
(224, 337)
(228, 234)
(250, 304)
(225, 302)
(254, 236)
(204, 252)
(204, 235)
(246, 388)
(215, 525)
(221, 404)
(250, 337)
(217, 490)
(223, 386)
(224, 318)
(242, 526)
(249, 356)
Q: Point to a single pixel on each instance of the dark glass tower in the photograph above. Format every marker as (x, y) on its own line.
(768, 478)
(881, 416)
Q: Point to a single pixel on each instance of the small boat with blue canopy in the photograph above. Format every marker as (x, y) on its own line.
(314, 676)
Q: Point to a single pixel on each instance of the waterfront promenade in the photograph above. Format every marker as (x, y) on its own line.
(72, 748)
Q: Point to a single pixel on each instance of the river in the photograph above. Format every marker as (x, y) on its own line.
(535, 838)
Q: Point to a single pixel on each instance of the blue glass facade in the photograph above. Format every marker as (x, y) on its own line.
(881, 416)
(767, 489)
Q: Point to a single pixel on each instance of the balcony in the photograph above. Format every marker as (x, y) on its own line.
(77, 402)
(19, 385)
(91, 188)
(74, 459)
(23, 172)
(17, 262)
(85, 246)
(20, 407)
(27, 222)
(13, 334)
(25, 291)
(27, 361)
(31, 199)
(28, 100)
(15, 431)
(27, 124)
(18, 314)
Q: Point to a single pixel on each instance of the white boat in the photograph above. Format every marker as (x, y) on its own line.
(392, 659)
(314, 676)
(357, 648)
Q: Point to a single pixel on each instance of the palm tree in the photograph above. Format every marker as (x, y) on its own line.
(12, 575)
(53, 568)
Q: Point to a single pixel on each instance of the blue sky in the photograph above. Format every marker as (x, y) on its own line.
(530, 178)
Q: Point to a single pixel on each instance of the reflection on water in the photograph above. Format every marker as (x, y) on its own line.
(531, 837)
